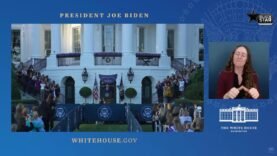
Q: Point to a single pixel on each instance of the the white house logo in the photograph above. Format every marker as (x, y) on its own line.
(146, 112)
(104, 112)
(60, 112)
(238, 115)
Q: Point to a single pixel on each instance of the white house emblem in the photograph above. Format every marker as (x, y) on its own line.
(238, 115)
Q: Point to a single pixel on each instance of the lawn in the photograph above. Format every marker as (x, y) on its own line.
(109, 128)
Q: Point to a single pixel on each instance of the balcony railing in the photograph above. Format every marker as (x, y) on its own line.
(68, 59)
(147, 59)
(108, 58)
(37, 64)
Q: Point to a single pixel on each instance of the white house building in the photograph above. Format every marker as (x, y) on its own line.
(108, 52)
(239, 115)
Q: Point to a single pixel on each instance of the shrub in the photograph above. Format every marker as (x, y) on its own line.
(130, 93)
(85, 92)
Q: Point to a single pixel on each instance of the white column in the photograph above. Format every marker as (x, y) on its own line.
(98, 38)
(55, 38)
(237, 116)
(87, 58)
(37, 36)
(24, 43)
(55, 45)
(161, 38)
(161, 45)
(66, 38)
(232, 115)
(128, 56)
(181, 42)
(127, 38)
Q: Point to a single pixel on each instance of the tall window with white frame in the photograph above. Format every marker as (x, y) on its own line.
(170, 43)
(201, 35)
(140, 39)
(76, 39)
(108, 38)
(47, 42)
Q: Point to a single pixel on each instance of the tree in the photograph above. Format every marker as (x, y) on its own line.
(130, 93)
(85, 92)
(15, 87)
(195, 89)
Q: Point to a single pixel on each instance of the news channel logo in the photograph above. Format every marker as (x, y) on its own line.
(261, 19)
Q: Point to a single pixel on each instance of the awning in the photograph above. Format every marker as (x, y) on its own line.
(108, 79)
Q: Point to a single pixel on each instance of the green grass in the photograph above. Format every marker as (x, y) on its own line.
(103, 128)
(147, 128)
(109, 128)
(188, 101)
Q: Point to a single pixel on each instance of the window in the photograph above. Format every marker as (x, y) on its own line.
(229, 115)
(238, 115)
(47, 41)
(242, 115)
(108, 38)
(16, 45)
(15, 38)
(201, 35)
(76, 40)
(225, 116)
(251, 115)
(170, 39)
(141, 31)
(234, 116)
(201, 55)
(170, 44)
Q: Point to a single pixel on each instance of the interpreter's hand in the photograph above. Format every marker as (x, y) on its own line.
(254, 93)
(232, 93)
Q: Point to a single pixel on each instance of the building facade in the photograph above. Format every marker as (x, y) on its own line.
(238, 115)
(108, 52)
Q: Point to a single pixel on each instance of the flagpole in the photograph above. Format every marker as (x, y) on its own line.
(121, 90)
(120, 101)
(93, 88)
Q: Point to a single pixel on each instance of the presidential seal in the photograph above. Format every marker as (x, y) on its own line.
(104, 112)
(60, 112)
(146, 113)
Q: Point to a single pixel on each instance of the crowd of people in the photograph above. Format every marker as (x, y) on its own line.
(38, 118)
(176, 118)
(37, 84)
(167, 117)
(173, 86)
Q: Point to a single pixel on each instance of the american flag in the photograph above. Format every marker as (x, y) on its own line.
(121, 90)
(95, 90)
